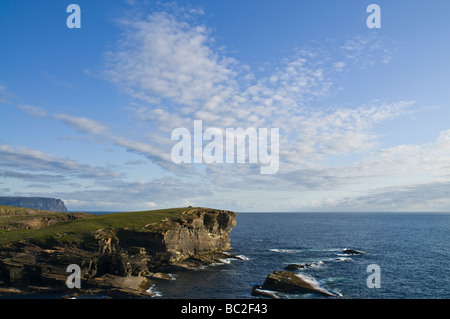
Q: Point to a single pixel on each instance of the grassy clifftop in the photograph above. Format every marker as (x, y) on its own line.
(37, 246)
(17, 224)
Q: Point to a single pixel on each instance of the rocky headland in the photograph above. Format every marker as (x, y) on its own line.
(119, 255)
(289, 282)
(43, 203)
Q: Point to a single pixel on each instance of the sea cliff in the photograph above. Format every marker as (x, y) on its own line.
(118, 254)
(51, 204)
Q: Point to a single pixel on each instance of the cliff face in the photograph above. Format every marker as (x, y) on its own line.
(199, 236)
(197, 231)
(43, 203)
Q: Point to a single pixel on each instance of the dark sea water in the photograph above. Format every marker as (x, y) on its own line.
(412, 251)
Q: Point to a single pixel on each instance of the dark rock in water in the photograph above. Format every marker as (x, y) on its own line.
(294, 267)
(51, 204)
(285, 281)
(352, 251)
(297, 266)
(122, 287)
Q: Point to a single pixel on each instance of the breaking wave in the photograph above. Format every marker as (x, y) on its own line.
(155, 293)
(285, 251)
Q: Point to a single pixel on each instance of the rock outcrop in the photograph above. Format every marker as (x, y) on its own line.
(43, 203)
(199, 230)
(352, 251)
(289, 282)
(200, 236)
(298, 266)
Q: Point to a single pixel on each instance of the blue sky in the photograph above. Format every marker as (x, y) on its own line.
(86, 114)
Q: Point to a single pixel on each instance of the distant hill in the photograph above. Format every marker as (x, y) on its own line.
(43, 203)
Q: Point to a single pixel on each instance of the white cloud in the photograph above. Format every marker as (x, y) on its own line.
(427, 160)
(169, 66)
(339, 65)
(367, 50)
(33, 110)
(91, 127)
(162, 57)
(48, 178)
(26, 159)
(5, 96)
(420, 197)
(138, 195)
(83, 124)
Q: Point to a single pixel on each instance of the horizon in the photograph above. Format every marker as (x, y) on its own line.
(91, 105)
(284, 212)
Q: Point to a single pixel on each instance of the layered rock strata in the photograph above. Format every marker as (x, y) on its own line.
(107, 256)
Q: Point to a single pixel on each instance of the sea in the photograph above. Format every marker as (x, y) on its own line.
(405, 256)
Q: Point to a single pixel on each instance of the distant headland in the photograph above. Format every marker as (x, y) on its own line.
(43, 203)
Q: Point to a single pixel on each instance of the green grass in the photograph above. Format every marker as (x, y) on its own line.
(6, 211)
(77, 230)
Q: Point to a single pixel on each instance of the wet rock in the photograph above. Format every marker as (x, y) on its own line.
(297, 266)
(294, 267)
(286, 281)
(352, 251)
(122, 287)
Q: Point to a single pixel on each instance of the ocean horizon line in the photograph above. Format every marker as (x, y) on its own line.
(281, 212)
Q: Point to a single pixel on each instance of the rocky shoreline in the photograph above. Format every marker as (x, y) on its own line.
(290, 280)
(118, 262)
(129, 262)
